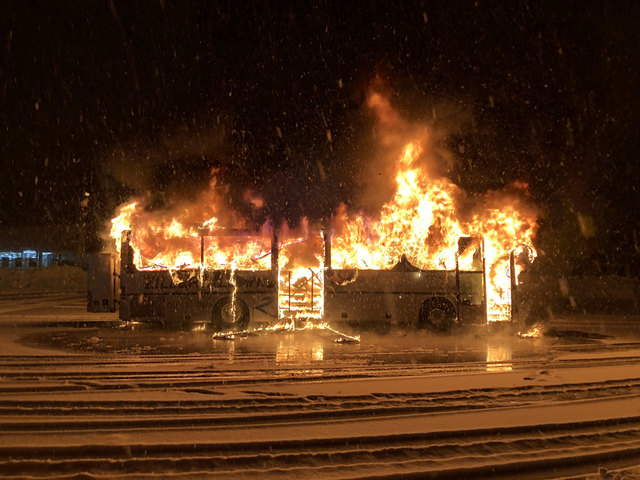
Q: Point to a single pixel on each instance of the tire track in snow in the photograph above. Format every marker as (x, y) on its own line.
(467, 454)
(32, 415)
(115, 425)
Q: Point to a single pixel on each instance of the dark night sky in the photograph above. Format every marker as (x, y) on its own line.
(119, 97)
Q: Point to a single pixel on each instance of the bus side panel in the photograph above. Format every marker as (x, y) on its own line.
(101, 294)
(383, 281)
(124, 310)
(383, 299)
(378, 311)
(186, 298)
(263, 307)
(188, 309)
(472, 314)
(472, 306)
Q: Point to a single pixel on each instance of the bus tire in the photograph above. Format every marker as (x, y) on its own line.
(222, 318)
(437, 314)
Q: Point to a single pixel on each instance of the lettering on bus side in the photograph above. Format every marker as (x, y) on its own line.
(254, 281)
(222, 279)
(156, 281)
(213, 279)
(266, 304)
(162, 281)
(217, 279)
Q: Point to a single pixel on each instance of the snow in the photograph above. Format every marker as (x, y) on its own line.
(56, 279)
(273, 407)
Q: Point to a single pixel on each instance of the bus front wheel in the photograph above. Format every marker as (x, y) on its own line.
(437, 314)
(229, 315)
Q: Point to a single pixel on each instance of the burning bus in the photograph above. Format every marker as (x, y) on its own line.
(432, 256)
(407, 296)
(418, 264)
(232, 297)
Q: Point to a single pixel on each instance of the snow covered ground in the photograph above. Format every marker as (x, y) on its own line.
(37, 281)
(80, 398)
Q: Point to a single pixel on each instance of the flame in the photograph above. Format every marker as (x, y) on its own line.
(288, 326)
(534, 332)
(427, 215)
(418, 222)
(197, 234)
(122, 222)
(301, 274)
(423, 220)
(234, 293)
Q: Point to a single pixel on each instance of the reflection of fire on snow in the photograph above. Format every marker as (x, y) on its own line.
(294, 353)
(499, 356)
(231, 351)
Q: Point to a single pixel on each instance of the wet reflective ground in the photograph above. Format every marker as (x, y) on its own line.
(317, 348)
(62, 324)
(144, 400)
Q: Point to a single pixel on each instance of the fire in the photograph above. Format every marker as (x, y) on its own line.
(418, 222)
(423, 220)
(122, 222)
(234, 293)
(534, 332)
(288, 327)
(301, 275)
(205, 233)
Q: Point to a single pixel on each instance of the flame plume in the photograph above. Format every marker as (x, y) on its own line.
(423, 219)
(170, 238)
(426, 216)
(301, 274)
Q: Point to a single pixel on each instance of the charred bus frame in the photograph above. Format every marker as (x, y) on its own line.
(407, 296)
(404, 296)
(222, 298)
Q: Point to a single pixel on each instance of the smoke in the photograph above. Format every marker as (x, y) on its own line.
(187, 173)
(392, 132)
(173, 164)
(431, 136)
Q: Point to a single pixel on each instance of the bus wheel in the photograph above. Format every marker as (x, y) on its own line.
(227, 316)
(437, 314)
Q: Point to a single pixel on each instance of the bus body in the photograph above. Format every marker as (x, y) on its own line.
(102, 282)
(224, 299)
(404, 296)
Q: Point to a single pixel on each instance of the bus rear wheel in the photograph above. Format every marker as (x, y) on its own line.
(229, 315)
(437, 314)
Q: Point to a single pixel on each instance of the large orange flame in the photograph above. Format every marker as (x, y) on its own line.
(428, 214)
(423, 219)
(184, 235)
(301, 273)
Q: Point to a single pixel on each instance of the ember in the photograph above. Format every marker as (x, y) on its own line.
(534, 332)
